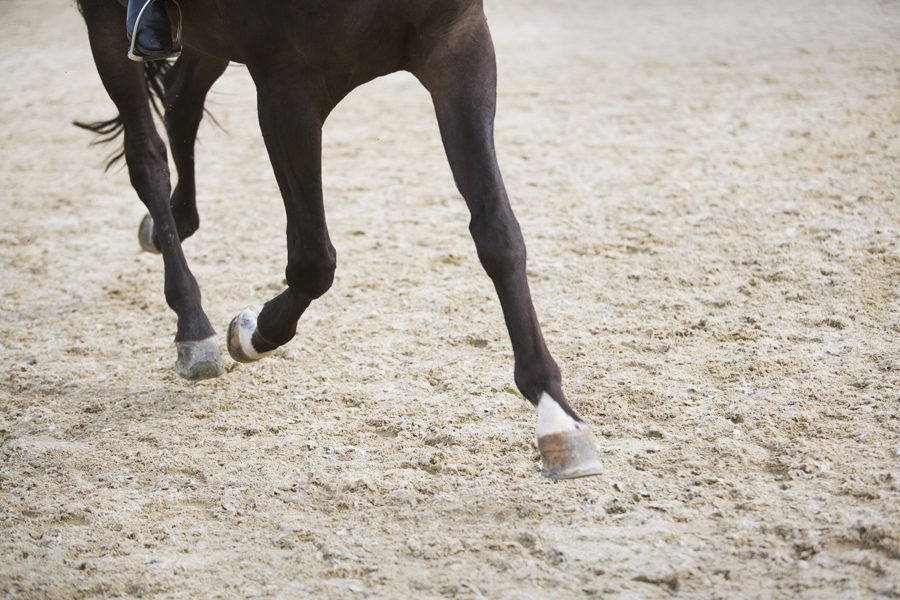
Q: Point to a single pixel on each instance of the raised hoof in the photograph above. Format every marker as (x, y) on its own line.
(145, 235)
(569, 454)
(240, 337)
(199, 360)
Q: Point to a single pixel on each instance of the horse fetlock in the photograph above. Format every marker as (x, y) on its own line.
(311, 277)
(241, 333)
(538, 375)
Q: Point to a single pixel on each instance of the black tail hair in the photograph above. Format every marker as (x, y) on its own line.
(154, 73)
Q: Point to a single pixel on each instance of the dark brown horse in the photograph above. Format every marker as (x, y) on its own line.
(304, 57)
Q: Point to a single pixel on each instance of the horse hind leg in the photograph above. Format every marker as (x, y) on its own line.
(186, 84)
(145, 153)
(460, 74)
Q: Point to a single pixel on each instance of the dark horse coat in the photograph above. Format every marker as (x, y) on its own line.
(304, 56)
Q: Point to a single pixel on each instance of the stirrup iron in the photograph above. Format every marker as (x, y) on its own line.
(137, 24)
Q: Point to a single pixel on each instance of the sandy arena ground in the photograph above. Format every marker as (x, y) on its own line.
(709, 193)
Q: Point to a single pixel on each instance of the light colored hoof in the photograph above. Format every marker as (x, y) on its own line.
(240, 337)
(199, 360)
(569, 454)
(145, 235)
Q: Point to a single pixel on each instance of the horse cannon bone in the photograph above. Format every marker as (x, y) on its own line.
(301, 74)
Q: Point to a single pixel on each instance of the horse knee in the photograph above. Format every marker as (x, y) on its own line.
(500, 246)
(148, 168)
(312, 275)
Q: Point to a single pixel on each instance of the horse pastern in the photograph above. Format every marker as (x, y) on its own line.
(552, 418)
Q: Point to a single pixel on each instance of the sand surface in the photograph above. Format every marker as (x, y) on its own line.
(709, 194)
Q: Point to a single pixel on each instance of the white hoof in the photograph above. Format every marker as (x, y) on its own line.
(569, 455)
(240, 337)
(566, 445)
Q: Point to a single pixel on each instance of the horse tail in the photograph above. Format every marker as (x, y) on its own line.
(154, 74)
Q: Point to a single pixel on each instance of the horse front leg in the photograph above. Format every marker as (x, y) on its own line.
(145, 153)
(462, 82)
(291, 124)
(186, 85)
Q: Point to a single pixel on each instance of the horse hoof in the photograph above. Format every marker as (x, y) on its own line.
(569, 454)
(145, 235)
(199, 360)
(240, 337)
